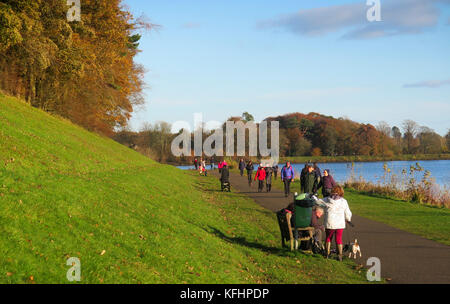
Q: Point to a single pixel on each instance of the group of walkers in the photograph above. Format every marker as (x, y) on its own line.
(263, 174)
(333, 208)
(311, 179)
(201, 166)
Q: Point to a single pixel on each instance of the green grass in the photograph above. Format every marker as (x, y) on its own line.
(65, 192)
(427, 221)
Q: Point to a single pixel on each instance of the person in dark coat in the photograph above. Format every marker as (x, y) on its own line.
(309, 182)
(225, 174)
(212, 163)
(304, 171)
(250, 167)
(242, 166)
(196, 164)
(275, 171)
(269, 172)
(319, 228)
(327, 183)
(318, 172)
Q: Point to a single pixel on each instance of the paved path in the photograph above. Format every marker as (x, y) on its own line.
(405, 257)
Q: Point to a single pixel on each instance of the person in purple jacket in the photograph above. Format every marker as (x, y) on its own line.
(327, 183)
(287, 176)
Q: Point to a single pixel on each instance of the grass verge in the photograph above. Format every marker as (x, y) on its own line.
(65, 192)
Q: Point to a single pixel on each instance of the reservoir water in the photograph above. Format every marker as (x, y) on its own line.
(374, 172)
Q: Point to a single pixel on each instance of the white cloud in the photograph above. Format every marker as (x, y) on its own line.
(190, 25)
(399, 17)
(428, 84)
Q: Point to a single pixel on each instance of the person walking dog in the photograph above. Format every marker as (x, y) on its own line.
(337, 213)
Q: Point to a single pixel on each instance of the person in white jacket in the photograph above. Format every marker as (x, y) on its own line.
(337, 213)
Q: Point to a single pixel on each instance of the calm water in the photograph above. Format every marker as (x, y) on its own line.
(373, 171)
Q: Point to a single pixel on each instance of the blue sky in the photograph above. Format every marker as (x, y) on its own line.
(276, 57)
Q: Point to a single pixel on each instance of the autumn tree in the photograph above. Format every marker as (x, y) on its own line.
(429, 141)
(410, 129)
(84, 71)
(386, 142)
(366, 140)
(447, 140)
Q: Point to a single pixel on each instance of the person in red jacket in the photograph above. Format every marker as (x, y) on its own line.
(261, 176)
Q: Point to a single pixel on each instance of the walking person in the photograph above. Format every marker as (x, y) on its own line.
(304, 171)
(309, 184)
(196, 163)
(269, 172)
(337, 213)
(275, 171)
(250, 167)
(201, 167)
(220, 166)
(225, 177)
(242, 166)
(212, 163)
(327, 183)
(287, 176)
(318, 172)
(261, 177)
(203, 163)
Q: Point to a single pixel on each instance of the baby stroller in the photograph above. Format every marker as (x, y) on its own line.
(226, 187)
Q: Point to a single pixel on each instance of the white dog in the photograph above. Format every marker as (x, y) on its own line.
(355, 249)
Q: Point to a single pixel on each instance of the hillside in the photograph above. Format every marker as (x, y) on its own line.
(65, 192)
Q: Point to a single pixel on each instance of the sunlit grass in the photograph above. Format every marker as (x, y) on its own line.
(65, 192)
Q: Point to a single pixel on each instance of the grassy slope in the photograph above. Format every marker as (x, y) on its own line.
(430, 222)
(65, 192)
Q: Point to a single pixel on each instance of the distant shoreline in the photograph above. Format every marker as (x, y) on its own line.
(347, 159)
(359, 159)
